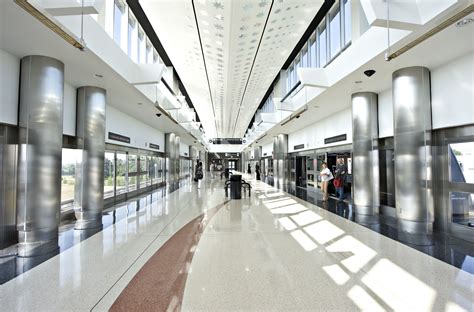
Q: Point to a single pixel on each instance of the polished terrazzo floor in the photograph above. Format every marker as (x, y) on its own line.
(272, 251)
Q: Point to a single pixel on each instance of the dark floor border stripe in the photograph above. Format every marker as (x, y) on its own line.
(160, 283)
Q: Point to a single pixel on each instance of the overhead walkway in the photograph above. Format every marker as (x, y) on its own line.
(196, 250)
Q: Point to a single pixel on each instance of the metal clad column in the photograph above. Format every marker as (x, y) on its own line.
(40, 122)
(282, 161)
(170, 152)
(276, 150)
(90, 132)
(413, 164)
(365, 153)
(177, 143)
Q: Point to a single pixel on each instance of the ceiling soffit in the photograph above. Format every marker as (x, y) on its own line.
(228, 52)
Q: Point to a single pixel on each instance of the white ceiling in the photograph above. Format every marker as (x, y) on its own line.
(227, 52)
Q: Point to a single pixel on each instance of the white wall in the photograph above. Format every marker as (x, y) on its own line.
(452, 93)
(267, 149)
(139, 133)
(69, 110)
(183, 149)
(313, 136)
(385, 114)
(9, 85)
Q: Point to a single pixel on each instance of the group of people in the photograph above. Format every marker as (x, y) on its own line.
(338, 179)
(257, 170)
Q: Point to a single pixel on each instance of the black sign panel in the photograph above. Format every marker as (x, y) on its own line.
(334, 139)
(154, 146)
(264, 154)
(118, 137)
(299, 146)
(226, 141)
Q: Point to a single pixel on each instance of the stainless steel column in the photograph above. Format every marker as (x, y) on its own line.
(413, 163)
(40, 122)
(365, 172)
(177, 143)
(170, 154)
(280, 167)
(90, 132)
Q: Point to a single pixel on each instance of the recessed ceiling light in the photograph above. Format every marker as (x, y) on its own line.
(358, 81)
(219, 42)
(464, 22)
(98, 76)
(139, 103)
(203, 12)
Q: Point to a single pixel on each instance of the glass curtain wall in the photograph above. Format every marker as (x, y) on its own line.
(328, 40)
(109, 174)
(121, 180)
(132, 172)
(143, 172)
(70, 157)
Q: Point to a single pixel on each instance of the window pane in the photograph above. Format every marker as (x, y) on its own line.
(117, 22)
(132, 45)
(461, 162)
(304, 62)
(313, 53)
(347, 21)
(68, 173)
(109, 174)
(322, 47)
(132, 172)
(121, 179)
(335, 34)
(462, 207)
(149, 170)
(143, 171)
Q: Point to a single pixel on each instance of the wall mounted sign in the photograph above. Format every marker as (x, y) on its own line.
(299, 146)
(119, 137)
(154, 146)
(264, 154)
(334, 139)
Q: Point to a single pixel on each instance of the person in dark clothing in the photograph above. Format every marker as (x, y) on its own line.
(257, 171)
(199, 173)
(249, 170)
(340, 179)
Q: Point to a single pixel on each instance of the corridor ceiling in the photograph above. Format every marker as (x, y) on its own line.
(227, 52)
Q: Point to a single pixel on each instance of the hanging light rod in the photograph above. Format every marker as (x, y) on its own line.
(46, 19)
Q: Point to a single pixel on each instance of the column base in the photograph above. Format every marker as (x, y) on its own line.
(415, 233)
(36, 243)
(87, 221)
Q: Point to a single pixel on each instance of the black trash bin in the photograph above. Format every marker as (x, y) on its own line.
(236, 186)
(227, 173)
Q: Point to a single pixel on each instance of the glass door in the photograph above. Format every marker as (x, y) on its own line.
(132, 173)
(109, 174)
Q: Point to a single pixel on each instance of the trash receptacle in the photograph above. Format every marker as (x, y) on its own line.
(227, 173)
(236, 186)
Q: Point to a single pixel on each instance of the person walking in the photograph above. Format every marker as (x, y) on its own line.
(211, 169)
(257, 171)
(326, 176)
(249, 170)
(199, 174)
(340, 178)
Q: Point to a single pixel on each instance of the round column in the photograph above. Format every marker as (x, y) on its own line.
(365, 172)
(413, 163)
(90, 133)
(40, 122)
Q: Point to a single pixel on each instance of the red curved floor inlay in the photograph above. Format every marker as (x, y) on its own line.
(159, 285)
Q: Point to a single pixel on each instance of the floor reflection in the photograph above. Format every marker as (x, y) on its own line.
(457, 252)
(12, 266)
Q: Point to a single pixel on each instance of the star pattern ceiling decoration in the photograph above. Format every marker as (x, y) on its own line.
(228, 78)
